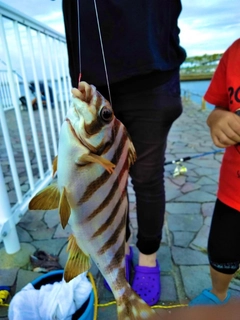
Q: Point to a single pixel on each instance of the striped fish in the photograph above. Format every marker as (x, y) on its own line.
(94, 156)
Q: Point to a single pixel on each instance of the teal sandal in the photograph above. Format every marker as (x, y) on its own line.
(208, 298)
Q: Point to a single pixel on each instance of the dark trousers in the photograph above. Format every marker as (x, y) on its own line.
(224, 239)
(148, 116)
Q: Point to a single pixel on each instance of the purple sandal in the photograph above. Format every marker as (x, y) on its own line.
(128, 264)
(146, 283)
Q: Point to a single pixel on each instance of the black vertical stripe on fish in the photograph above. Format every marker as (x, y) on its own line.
(90, 147)
(110, 219)
(114, 237)
(120, 275)
(118, 283)
(114, 263)
(104, 147)
(115, 129)
(110, 195)
(114, 133)
(94, 185)
(96, 125)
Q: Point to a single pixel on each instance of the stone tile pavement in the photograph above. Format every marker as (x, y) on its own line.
(182, 255)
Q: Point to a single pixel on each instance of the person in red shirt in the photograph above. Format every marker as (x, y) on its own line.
(224, 124)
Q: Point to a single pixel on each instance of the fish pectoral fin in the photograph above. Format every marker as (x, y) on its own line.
(64, 208)
(46, 199)
(54, 165)
(78, 262)
(108, 165)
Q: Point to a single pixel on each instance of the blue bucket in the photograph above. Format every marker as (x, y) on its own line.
(86, 312)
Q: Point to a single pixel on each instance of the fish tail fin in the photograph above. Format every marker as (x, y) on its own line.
(134, 308)
(78, 262)
(46, 199)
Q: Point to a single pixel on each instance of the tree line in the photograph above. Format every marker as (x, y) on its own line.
(205, 64)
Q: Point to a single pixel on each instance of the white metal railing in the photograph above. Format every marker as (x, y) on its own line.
(30, 52)
(5, 93)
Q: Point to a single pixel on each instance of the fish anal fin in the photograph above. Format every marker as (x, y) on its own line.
(64, 208)
(46, 199)
(54, 165)
(108, 165)
(78, 262)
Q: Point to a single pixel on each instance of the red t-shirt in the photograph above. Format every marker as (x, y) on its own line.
(224, 91)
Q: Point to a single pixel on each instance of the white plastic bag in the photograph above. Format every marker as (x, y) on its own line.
(57, 301)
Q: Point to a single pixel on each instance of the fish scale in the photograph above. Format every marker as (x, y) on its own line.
(94, 156)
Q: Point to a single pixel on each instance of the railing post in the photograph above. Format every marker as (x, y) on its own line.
(9, 234)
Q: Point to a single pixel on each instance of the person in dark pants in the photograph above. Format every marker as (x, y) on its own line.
(141, 47)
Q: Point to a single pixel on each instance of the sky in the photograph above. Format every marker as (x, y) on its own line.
(207, 26)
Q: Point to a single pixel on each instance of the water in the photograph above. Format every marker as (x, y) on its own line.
(197, 90)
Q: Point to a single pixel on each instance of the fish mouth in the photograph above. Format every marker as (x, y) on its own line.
(82, 141)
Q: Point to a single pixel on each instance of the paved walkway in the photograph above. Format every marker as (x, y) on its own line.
(182, 256)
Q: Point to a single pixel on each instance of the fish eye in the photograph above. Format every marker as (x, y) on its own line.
(106, 114)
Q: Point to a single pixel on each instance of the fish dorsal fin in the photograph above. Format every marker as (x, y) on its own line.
(78, 262)
(64, 208)
(132, 156)
(46, 199)
(54, 165)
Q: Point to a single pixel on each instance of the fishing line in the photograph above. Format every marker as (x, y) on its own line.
(103, 54)
(79, 42)
(101, 44)
(156, 306)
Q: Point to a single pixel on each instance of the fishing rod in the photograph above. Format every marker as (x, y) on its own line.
(193, 157)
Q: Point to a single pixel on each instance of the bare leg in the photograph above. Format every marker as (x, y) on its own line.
(147, 260)
(220, 283)
(143, 259)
